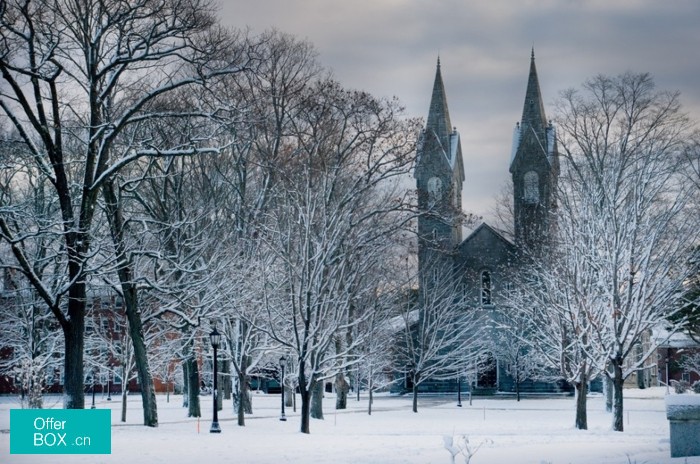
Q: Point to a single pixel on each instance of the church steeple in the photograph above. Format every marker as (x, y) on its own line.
(533, 109)
(438, 114)
(535, 168)
(439, 176)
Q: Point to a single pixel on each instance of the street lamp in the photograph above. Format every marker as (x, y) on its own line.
(215, 338)
(93, 390)
(459, 391)
(283, 363)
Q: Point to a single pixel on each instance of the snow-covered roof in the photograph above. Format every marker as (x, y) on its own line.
(665, 339)
(551, 141)
(454, 145)
(398, 323)
(516, 142)
(484, 227)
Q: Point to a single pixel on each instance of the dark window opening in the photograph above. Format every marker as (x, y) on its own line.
(485, 288)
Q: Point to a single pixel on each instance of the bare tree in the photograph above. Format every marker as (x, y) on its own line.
(438, 336)
(32, 345)
(79, 75)
(556, 296)
(512, 343)
(503, 211)
(334, 205)
(620, 138)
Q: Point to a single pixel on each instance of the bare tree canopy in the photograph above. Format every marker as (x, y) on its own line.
(624, 232)
(83, 80)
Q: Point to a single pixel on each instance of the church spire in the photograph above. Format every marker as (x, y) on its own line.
(439, 115)
(533, 109)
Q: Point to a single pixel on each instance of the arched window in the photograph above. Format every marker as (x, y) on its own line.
(485, 288)
(435, 188)
(531, 187)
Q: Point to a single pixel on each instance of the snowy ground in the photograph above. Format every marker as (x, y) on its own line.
(532, 431)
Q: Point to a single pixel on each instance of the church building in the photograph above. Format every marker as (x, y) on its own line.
(482, 261)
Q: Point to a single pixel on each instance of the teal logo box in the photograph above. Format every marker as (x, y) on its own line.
(60, 431)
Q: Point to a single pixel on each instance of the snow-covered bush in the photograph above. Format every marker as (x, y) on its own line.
(680, 387)
(696, 387)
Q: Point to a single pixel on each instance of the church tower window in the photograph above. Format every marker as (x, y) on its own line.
(435, 188)
(531, 187)
(485, 288)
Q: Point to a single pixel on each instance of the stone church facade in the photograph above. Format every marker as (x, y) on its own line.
(482, 261)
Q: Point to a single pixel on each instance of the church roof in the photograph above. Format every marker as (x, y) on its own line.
(533, 108)
(439, 115)
(534, 120)
(440, 139)
(487, 229)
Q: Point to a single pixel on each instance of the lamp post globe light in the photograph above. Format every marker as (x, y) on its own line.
(215, 338)
(283, 364)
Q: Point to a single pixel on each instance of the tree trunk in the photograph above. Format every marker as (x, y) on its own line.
(305, 392)
(125, 273)
(219, 386)
(618, 422)
(371, 394)
(247, 399)
(608, 391)
(74, 336)
(517, 386)
(288, 396)
(305, 409)
(226, 379)
(125, 392)
(641, 372)
(581, 411)
(244, 388)
(415, 395)
(193, 409)
(148, 391)
(35, 399)
(185, 385)
(317, 400)
(341, 390)
(242, 394)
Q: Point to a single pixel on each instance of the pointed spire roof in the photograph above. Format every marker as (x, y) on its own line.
(439, 115)
(533, 109)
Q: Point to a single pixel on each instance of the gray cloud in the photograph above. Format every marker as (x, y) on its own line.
(389, 48)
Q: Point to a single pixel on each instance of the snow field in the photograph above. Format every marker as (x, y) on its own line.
(532, 431)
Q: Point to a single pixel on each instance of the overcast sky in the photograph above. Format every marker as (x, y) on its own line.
(389, 48)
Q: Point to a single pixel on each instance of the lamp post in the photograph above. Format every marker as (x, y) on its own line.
(459, 391)
(93, 390)
(215, 338)
(283, 363)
